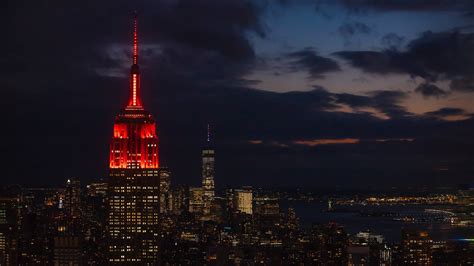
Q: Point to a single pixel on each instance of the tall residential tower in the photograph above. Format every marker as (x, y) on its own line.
(134, 180)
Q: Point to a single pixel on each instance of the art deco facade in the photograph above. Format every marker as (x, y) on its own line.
(134, 180)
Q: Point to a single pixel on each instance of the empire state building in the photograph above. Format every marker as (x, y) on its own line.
(134, 180)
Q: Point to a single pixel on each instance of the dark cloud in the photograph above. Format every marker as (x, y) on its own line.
(367, 7)
(349, 29)
(388, 102)
(355, 101)
(362, 6)
(309, 60)
(376, 62)
(392, 41)
(384, 101)
(446, 53)
(433, 56)
(212, 25)
(462, 84)
(430, 90)
(446, 111)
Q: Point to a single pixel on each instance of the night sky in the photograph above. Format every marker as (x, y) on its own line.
(316, 94)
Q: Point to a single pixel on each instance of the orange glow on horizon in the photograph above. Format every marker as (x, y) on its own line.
(316, 142)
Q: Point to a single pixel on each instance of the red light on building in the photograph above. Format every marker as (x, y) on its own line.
(134, 143)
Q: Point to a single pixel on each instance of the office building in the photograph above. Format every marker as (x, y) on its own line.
(416, 248)
(134, 180)
(165, 192)
(72, 197)
(243, 200)
(196, 200)
(208, 159)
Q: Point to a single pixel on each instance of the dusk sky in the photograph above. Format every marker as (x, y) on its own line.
(297, 93)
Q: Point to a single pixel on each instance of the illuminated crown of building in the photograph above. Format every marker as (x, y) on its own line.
(134, 143)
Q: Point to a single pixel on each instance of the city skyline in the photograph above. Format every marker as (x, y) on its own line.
(230, 132)
(307, 86)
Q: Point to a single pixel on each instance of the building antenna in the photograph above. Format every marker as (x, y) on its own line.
(135, 38)
(135, 101)
(208, 133)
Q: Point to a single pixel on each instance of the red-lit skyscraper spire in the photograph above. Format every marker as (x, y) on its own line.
(135, 143)
(135, 40)
(135, 100)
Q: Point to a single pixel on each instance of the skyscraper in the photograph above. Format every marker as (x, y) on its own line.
(196, 200)
(134, 180)
(165, 193)
(208, 156)
(72, 197)
(243, 200)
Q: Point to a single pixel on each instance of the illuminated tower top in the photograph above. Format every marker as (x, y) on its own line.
(135, 100)
(135, 142)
